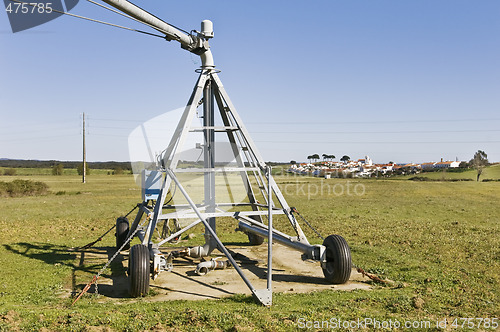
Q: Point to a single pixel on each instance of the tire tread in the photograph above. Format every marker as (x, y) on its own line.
(139, 271)
(122, 229)
(339, 257)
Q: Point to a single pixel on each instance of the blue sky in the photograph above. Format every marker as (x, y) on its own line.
(403, 81)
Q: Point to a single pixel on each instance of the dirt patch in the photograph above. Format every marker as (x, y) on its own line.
(290, 275)
(10, 318)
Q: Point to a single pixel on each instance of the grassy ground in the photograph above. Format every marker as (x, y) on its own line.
(438, 241)
(492, 172)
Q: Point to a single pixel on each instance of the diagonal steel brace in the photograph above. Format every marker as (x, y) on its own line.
(262, 299)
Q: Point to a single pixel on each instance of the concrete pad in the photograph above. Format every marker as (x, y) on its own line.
(290, 275)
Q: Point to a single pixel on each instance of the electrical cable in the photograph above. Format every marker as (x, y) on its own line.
(94, 20)
(128, 16)
(374, 122)
(375, 132)
(379, 142)
(171, 195)
(132, 18)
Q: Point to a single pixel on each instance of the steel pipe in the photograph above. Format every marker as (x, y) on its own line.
(148, 18)
(205, 267)
(193, 43)
(302, 247)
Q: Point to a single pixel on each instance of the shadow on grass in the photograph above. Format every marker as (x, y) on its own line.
(46, 252)
(118, 288)
(83, 264)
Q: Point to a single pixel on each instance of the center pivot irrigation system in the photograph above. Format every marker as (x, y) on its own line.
(171, 191)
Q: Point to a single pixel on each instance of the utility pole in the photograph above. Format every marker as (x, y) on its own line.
(84, 172)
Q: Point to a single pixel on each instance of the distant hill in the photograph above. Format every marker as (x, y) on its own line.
(21, 163)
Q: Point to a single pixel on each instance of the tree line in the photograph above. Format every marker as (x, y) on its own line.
(326, 157)
(20, 163)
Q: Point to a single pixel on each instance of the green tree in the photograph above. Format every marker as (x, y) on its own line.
(79, 169)
(9, 171)
(57, 169)
(479, 161)
(328, 156)
(345, 158)
(315, 157)
(118, 171)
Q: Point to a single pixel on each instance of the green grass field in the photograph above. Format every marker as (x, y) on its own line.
(439, 242)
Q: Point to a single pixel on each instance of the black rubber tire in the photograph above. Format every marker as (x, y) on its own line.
(255, 240)
(139, 271)
(338, 255)
(122, 228)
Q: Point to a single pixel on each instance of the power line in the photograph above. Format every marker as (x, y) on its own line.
(333, 122)
(379, 142)
(119, 120)
(374, 121)
(93, 20)
(343, 132)
(107, 127)
(46, 130)
(37, 138)
(133, 18)
(25, 126)
(107, 135)
(378, 132)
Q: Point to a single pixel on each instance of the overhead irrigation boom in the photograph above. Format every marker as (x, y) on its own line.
(188, 192)
(197, 44)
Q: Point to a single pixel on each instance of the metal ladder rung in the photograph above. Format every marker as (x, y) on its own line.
(217, 129)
